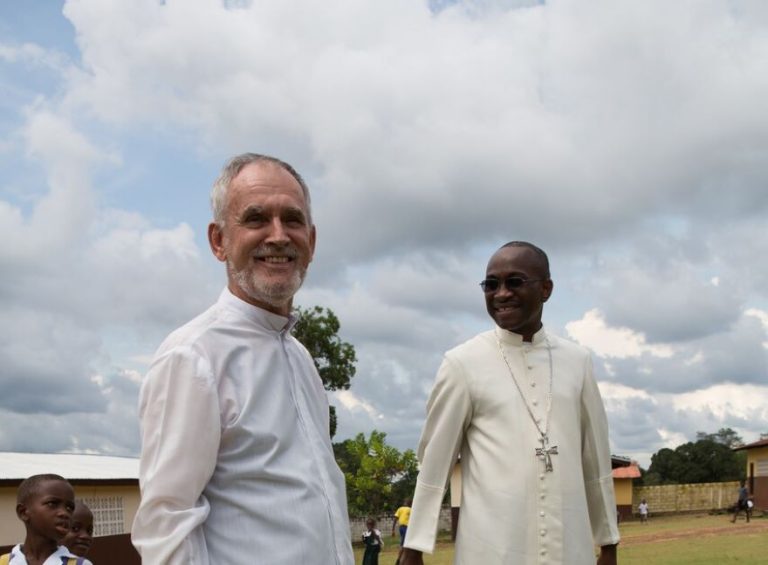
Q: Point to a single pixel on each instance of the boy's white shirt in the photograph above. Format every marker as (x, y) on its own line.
(18, 558)
(377, 535)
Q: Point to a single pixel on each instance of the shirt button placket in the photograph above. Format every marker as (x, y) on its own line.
(542, 532)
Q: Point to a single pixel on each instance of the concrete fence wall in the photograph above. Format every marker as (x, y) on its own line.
(384, 523)
(686, 498)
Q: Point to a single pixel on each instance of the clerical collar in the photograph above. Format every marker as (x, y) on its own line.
(270, 320)
(511, 338)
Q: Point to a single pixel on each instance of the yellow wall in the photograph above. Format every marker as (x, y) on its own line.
(12, 530)
(759, 457)
(623, 490)
(687, 498)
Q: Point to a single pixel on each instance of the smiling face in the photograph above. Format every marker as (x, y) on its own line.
(267, 240)
(80, 536)
(518, 310)
(47, 512)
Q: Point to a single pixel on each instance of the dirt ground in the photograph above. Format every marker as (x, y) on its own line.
(755, 526)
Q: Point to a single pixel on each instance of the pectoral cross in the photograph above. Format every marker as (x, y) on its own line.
(545, 452)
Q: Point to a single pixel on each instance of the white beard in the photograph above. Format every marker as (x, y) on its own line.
(275, 294)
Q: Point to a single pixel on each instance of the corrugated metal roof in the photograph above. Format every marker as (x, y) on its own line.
(760, 443)
(72, 466)
(620, 461)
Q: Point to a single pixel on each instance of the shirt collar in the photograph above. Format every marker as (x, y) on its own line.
(511, 338)
(264, 318)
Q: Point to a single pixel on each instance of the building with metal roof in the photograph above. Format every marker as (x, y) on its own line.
(757, 471)
(108, 485)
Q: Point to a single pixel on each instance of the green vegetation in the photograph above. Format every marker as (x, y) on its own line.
(674, 540)
(443, 552)
(710, 459)
(698, 539)
(378, 476)
(317, 328)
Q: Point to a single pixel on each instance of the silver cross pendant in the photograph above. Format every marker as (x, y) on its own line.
(544, 453)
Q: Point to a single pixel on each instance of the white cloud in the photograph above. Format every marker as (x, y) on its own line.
(671, 438)
(628, 139)
(454, 117)
(33, 54)
(352, 403)
(592, 332)
(761, 315)
(745, 402)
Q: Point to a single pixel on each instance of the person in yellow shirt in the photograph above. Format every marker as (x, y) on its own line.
(402, 517)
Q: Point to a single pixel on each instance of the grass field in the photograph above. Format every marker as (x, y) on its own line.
(675, 540)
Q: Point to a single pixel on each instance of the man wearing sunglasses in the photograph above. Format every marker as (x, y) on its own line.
(522, 409)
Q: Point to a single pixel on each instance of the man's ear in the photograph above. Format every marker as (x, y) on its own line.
(21, 512)
(312, 241)
(216, 241)
(547, 287)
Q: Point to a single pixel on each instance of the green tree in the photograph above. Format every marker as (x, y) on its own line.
(706, 460)
(318, 328)
(377, 475)
(663, 467)
(726, 436)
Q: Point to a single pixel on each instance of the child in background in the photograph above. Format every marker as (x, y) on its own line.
(402, 518)
(45, 504)
(643, 509)
(80, 536)
(373, 543)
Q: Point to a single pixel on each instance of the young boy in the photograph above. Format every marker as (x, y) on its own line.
(45, 504)
(643, 508)
(80, 536)
(373, 543)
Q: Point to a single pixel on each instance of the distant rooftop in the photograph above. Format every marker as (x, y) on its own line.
(632, 471)
(620, 461)
(72, 466)
(759, 443)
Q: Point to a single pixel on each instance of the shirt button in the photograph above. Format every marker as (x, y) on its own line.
(542, 496)
(543, 552)
(542, 533)
(533, 383)
(535, 402)
(541, 514)
(541, 476)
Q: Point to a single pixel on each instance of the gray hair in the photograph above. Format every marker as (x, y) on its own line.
(233, 167)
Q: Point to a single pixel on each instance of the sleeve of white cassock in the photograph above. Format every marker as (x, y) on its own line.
(180, 430)
(448, 413)
(596, 462)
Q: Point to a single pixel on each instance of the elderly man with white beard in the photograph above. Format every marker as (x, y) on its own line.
(236, 460)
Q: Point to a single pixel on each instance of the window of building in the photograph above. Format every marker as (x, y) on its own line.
(107, 515)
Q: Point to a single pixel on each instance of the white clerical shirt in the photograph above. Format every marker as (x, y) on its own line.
(236, 462)
(514, 512)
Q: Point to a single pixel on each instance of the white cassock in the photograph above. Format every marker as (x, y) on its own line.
(514, 512)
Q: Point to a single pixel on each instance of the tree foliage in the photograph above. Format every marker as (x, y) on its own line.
(378, 476)
(317, 328)
(709, 459)
(726, 436)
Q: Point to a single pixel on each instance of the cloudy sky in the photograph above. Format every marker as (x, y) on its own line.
(629, 139)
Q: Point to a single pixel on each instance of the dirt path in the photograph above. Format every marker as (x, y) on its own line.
(755, 526)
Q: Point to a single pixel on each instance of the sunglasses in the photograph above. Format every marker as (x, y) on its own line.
(510, 283)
